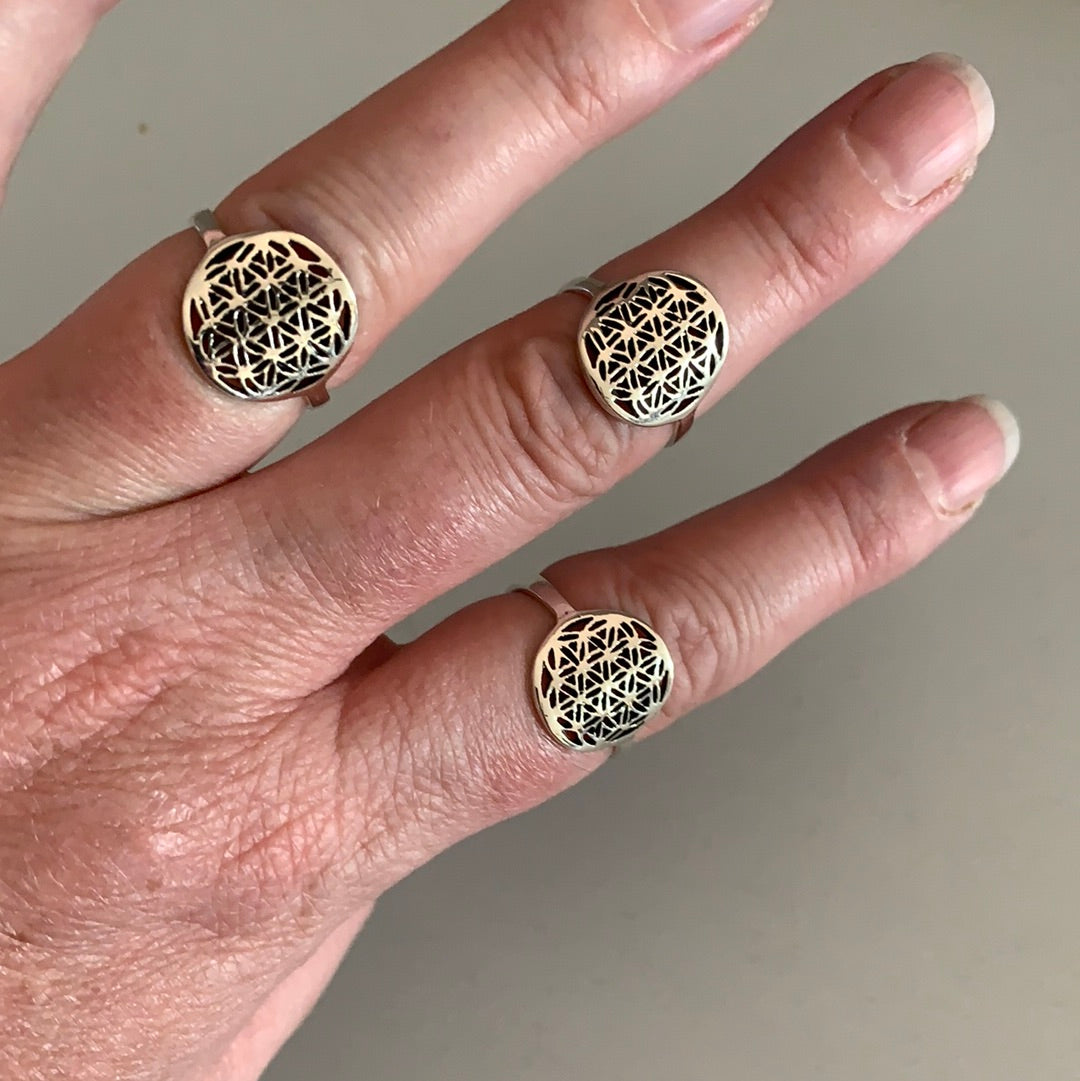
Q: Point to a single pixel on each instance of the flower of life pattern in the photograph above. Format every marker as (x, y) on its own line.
(599, 677)
(269, 315)
(652, 347)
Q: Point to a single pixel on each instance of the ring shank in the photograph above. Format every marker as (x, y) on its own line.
(207, 226)
(590, 287)
(544, 592)
(681, 429)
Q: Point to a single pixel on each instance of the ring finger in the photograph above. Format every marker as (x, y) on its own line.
(457, 739)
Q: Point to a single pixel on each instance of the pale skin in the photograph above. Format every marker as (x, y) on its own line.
(212, 760)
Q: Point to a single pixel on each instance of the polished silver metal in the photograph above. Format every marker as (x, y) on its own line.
(208, 227)
(651, 347)
(590, 287)
(598, 677)
(550, 598)
(267, 315)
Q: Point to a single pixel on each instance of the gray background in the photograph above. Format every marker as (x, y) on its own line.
(864, 863)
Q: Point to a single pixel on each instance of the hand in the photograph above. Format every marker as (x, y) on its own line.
(212, 761)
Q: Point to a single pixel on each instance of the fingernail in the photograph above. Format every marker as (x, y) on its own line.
(925, 129)
(961, 450)
(691, 24)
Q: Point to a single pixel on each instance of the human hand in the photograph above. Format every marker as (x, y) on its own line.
(211, 761)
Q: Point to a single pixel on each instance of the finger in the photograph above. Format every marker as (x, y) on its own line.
(458, 746)
(499, 440)
(37, 44)
(107, 413)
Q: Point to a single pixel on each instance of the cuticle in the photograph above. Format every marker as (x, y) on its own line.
(951, 186)
(895, 199)
(964, 512)
(745, 25)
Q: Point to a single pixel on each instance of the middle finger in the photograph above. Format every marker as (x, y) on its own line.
(500, 439)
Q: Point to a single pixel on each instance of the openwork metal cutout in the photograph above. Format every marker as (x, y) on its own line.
(652, 346)
(268, 316)
(599, 677)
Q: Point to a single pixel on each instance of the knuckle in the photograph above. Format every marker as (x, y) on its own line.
(182, 820)
(574, 88)
(556, 443)
(348, 213)
(864, 536)
(711, 618)
(808, 241)
(441, 781)
(514, 774)
(110, 660)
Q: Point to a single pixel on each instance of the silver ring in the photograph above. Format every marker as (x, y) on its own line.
(598, 677)
(267, 315)
(651, 347)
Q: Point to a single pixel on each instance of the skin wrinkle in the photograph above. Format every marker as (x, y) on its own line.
(810, 242)
(39, 839)
(572, 88)
(368, 790)
(83, 692)
(554, 450)
(195, 864)
(377, 540)
(291, 843)
(77, 681)
(379, 255)
(154, 647)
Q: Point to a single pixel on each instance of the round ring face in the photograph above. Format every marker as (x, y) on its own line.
(599, 677)
(652, 346)
(268, 315)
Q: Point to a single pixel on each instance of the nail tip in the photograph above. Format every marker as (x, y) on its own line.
(982, 97)
(1007, 423)
(758, 16)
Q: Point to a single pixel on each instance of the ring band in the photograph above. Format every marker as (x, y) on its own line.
(651, 347)
(267, 315)
(598, 677)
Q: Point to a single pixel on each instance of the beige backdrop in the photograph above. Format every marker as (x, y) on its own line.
(863, 865)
